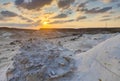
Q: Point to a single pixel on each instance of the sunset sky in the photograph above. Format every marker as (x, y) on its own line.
(59, 13)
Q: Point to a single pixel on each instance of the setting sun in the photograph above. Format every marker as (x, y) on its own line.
(45, 23)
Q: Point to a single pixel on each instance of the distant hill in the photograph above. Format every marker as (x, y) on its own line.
(82, 30)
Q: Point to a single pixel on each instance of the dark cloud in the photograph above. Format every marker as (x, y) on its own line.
(118, 5)
(82, 6)
(24, 18)
(117, 17)
(93, 0)
(60, 16)
(15, 25)
(38, 21)
(81, 18)
(106, 16)
(7, 3)
(105, 9)
(8, 14)
(111, 12)
(61, 21)
(97, 10)
(114, 0)
(106, 19)
(65, 3)
(32, 4)
(107, 1)
(1, 18)
(70, 20)
(56, 22)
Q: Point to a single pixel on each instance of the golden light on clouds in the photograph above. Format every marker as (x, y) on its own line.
(59, 13)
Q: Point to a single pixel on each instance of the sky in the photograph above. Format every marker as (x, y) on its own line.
(37, 14)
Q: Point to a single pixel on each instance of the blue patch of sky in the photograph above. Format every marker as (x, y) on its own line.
(51, 9)
(6, 1)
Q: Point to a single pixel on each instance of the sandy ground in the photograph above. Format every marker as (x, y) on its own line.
(78, 44)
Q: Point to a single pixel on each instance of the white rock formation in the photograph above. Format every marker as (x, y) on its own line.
(102, 63)
(40, 61)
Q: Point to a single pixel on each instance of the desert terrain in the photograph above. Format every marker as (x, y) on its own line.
(96, 54)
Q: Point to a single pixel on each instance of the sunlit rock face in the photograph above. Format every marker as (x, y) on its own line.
(40, 61)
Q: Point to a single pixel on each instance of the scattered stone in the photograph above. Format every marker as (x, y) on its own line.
(100, 80)
(78, 51)
(15, 42)
(12, 43)
(12, 50)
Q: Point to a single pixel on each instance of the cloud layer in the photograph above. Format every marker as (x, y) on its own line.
(32, 4)
(65, 3)
(36, 12)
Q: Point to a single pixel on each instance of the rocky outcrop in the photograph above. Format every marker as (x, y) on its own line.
(40, 61)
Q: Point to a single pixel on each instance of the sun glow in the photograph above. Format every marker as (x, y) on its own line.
(45, 23)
